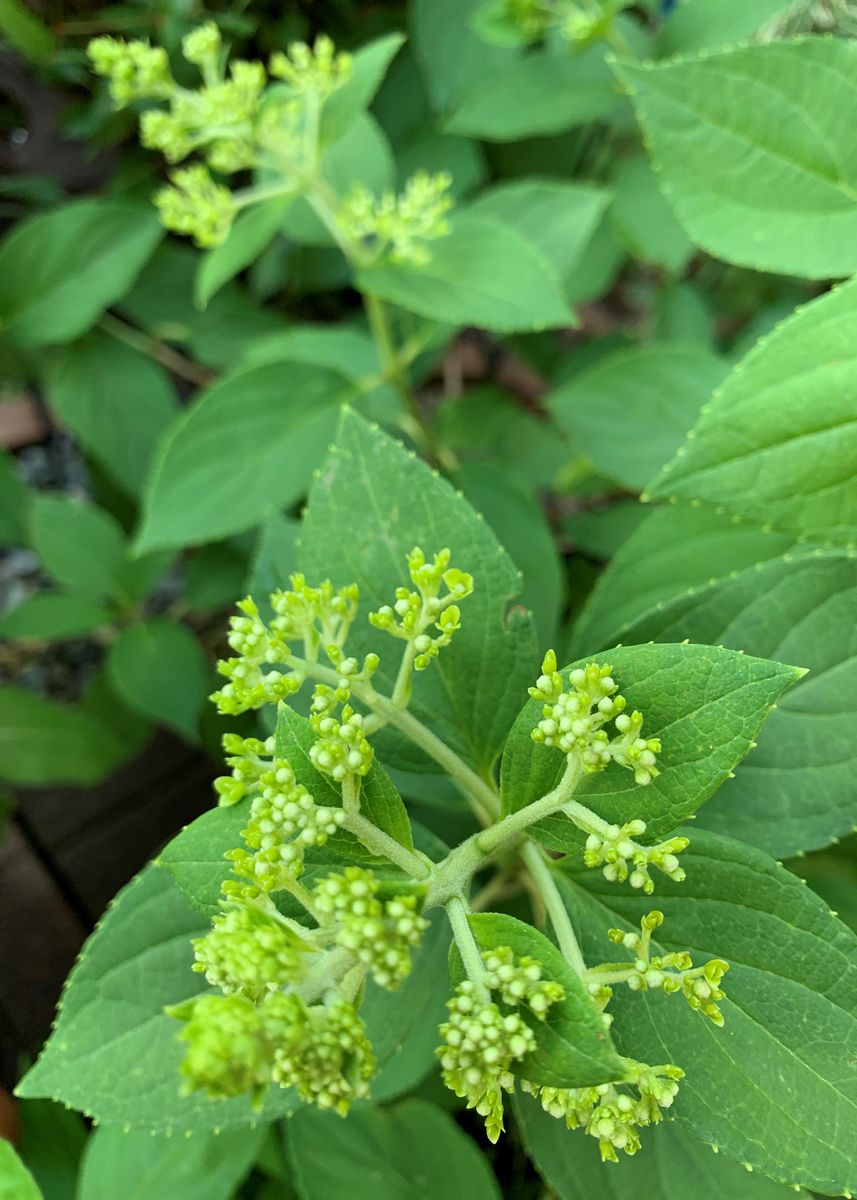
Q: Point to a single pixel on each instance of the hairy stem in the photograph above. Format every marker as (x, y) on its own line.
(384, 846)
(303, 897)
(471, 955)
(542, 877)
(516, 822)
(484, 797)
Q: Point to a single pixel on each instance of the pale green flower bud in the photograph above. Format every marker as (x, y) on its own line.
(227, 1050)
(621, 857)
(342, 748)
(319, 69)
(519, 981)
(134, 69)
(197, 206)
(379, 934)
(573, 721)
(251, 952)
(671, 972)
(611, 1112)
(329, 1059)
(202, 45)
(398, 227)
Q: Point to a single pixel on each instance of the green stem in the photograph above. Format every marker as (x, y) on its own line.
(471, 955)
(402, 687)
(542, 876)
(489, 839)
(484, 797)
(351, 794)
(391, 363)
(303, 897)
(384, 846)
(165, 355)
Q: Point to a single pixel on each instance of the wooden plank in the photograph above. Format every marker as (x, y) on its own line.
(96, 840)
(40, 934)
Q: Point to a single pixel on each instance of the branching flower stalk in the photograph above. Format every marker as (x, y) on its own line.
(292, 979)
(270, 124)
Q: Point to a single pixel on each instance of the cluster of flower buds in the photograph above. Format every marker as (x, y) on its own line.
(235, 1046)
(318, 69)
(519, 980)
(621, 857)
(321, 1050)
(573, 721)
(413, 613)
(481, 1041)
(342, 748)
(398, 227)
(673, 972)
(379, 933)
(612, 1112)
(284, 820)
(135, 70)
(319, 618)
(251, 951)
(231, 119)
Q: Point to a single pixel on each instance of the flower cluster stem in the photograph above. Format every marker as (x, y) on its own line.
(542, 876)
(471, 956)
(380, 843)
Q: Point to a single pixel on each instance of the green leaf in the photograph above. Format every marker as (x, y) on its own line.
(253, 229)
(451, 57)
(43, 742)
(706, 704)
(16, 1182)
(735, 135)
(53, 617)
(159, 670)
(116, 401)
(245, 449)
(14, 504)
(670, 1163)
(574, 1048)
(777, 443)
(114, 1053)
(486, 423)
(644, 219)
(540, 94)
(195, 857)
(80, 545)
(558, 218)
(389, 502)
(673, 552)
(276, 557)
(201, 1167)
(706, 25)
(482, 273)
(215, 576)
(601, 532)
(630, 412)
(414, 1151)
(23, 30)
(60, 270)
(796, 790)
(368, 68)
(519, 523)
(51, 1144)
(775, 1087)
